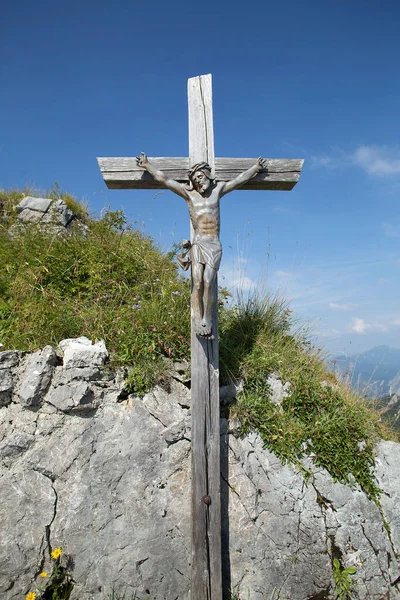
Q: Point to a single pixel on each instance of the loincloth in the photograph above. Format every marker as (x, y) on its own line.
(203, 253)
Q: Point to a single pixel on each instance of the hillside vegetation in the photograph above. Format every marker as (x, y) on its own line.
(108, 281)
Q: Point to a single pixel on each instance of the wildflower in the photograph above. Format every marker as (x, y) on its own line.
(43, 574)
(56, 554)
(136, 306)
(31, 596)
(175, 293)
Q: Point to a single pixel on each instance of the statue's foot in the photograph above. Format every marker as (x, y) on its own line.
(205, 329)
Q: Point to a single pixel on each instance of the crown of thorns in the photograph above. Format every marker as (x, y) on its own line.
(202, 166)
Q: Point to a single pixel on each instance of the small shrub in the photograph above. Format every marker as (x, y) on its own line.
(343, 581)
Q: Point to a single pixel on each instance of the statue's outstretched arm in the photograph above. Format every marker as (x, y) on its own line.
(244, 177)
(171, 184)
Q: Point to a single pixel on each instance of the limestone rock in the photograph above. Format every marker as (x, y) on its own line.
(6, 387)
(72, 396)
(41, 205)
(45, 211)
(181, 370)
(80, 352)
(58, 213)
(37, 376)
(279, 391)
(112, 487)
(387, 470)
(27, 506)
(9, 358)
(8, 361)
(15, 444)
(63, 376)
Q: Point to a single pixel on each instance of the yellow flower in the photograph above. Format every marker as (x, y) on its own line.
(55, 554)
(43, 574)
(31, 596)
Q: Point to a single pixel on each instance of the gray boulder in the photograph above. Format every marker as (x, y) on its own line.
(36, 377)
(81, 352)
(8, 361)
(40, 205)
(387, 471)
(72, 396)
(44, 211)
(279, 391)
(6, 387)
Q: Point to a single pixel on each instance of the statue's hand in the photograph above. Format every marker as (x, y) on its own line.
(142, 161)
(262, 163)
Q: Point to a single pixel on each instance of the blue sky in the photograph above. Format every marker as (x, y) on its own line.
(317, 80)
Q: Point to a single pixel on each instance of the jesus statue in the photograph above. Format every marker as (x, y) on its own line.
(202, 196)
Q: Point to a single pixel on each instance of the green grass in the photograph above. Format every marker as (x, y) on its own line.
(107, 282)
(320, 417)
(110, 282)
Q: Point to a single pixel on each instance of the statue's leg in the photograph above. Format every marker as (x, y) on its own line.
(208, 299)
(197, 293)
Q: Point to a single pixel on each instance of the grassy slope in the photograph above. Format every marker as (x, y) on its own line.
(111, 282)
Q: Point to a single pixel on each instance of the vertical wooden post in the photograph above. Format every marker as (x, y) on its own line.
(206, 495)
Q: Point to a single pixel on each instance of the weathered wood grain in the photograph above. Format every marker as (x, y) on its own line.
(206, 518)
(201, 127)
(123, 173)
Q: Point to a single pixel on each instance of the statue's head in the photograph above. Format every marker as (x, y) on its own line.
(200, 177)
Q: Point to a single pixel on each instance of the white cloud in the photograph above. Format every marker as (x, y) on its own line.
(359, 325)
(336, 306)
(377, 160)
(397, 322)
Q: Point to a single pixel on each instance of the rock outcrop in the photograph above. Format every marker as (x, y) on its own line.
(106, 475)
(44, 211)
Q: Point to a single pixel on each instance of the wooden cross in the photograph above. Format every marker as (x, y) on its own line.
(203, 204)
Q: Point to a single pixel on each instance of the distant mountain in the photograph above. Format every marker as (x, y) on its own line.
(375, 373)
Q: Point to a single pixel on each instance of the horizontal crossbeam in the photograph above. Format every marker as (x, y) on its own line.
(123, 173)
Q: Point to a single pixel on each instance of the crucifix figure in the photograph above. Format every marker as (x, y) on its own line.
(202, 196)
(202, 180)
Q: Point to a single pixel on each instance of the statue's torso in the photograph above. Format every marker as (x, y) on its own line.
(205, 213)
